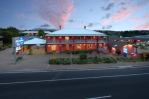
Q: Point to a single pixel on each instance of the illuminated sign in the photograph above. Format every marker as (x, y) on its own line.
(17, 41)
(125, 50)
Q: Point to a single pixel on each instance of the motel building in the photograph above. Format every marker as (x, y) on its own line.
(75, 39)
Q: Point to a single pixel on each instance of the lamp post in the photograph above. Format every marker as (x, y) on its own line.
(115, 48)
(136, 48)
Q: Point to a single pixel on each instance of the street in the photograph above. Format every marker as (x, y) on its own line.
(125, 83)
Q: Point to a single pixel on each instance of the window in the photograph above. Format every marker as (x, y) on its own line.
(89, 46)
(67, 47)
(78, 46)
(53, 47)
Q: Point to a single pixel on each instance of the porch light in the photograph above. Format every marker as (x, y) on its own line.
(60, 37)
(84, 44)
(60, 45)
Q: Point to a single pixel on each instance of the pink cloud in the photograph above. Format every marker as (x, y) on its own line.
(55, 12)
(122, 15)
(143, 27)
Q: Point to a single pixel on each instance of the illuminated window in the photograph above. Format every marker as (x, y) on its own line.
(67, 47)
(100, 45)
(53, 47)
(89, 46)
(78, 46)
(67, 38)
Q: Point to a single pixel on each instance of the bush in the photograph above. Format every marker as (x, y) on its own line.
(95, 60)
(83, 56)
(18, 58)
(30, 51)
(51, 52)
(118, 51)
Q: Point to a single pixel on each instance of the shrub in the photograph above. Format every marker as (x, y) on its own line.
(83, 56)
(51, 52)
(18, 58)
(30, 51)
(95, 60)
(118, 51)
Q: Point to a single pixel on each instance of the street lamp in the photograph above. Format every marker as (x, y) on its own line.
(136, 48)
(115, 48)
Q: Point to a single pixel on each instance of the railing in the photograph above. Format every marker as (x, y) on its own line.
(77, 41)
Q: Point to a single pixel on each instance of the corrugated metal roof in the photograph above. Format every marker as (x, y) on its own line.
(46, 32)
(35, 41)
(76, 32)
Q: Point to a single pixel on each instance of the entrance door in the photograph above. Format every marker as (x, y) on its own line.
(53, 47)
(67, 47)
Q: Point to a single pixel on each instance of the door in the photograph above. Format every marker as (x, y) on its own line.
(53, 47)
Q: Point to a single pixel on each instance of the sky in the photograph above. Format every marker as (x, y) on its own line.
(117, 15)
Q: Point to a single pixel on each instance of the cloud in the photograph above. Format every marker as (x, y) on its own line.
(55, 12)
(143, 27)
(107, 16)
(24, 16)
(71, 20)
(20, 15)
(21, 26)
(108, 7)
(45, 25)
(90, 10)
(136, 20)
(107, 27)
(121, 15)
(90, 25)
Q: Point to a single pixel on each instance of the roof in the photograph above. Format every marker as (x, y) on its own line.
(47, 32)
(76, 32)
(35, 41)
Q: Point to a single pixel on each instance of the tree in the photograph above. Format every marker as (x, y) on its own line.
(14, 31)
(7, 36)
(41, 33)
(118, 51)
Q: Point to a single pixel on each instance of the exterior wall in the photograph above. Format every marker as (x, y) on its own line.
(129, 47)
(82, 46)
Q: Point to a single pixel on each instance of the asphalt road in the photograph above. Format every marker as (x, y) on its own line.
(127, 83)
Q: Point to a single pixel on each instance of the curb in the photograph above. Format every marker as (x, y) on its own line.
(72, 69)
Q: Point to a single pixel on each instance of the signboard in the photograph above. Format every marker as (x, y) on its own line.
(17, 41)
(125, 50)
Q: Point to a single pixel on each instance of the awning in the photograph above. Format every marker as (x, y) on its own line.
(35, 41)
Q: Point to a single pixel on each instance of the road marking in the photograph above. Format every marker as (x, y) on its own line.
(54, 80)
(100, 97)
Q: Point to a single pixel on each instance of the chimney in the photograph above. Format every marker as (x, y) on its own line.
(60, 27)
(84, 27)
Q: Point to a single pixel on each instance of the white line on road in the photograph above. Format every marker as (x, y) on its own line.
(54, 80)
(100, 97)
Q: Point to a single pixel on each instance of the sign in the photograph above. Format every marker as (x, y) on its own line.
(17, 41)
(125, 50)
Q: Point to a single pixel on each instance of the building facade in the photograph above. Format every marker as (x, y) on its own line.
(75, 39)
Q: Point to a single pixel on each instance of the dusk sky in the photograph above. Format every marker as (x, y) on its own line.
(94, 14)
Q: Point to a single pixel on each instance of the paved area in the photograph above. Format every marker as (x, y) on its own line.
(39, 61)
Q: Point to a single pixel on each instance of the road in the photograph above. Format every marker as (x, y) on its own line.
(124, 83)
